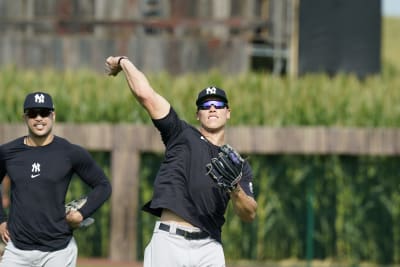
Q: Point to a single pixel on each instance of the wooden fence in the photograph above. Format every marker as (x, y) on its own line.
(125, 142)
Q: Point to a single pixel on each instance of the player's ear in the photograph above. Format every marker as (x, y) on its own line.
(25, 117)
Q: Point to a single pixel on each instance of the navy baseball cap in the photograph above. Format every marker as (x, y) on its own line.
(38, 100)
(211, 92)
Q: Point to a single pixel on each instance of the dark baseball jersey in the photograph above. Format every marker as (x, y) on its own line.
(40, 177)
(182, 184)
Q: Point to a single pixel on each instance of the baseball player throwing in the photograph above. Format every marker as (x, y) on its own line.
(191, 192)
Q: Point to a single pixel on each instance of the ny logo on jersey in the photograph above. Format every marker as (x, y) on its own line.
(35, 170)
(39, 98)
(211, 91)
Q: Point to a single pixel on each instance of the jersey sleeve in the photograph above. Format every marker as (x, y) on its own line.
(90, 172)
(2, 164)
(3, 216)
(247, 180)
(170, 126)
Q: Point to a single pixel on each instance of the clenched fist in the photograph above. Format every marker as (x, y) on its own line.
(113, 65)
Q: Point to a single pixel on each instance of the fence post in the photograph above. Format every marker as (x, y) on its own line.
(125, 160)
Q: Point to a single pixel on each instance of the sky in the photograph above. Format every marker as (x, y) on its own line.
(391, 8)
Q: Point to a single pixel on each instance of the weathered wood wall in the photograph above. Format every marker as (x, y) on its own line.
(150, 53)
(176, 36)
(126, 142)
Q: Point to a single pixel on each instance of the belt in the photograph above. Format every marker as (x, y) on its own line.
(186, 234)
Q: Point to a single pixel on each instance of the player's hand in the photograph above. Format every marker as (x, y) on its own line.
(5, 235)
(74, 218)
(113, 65)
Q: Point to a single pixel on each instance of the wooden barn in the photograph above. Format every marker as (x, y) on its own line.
(179, 36)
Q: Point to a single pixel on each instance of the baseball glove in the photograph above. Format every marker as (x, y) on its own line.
(227, 168)
(113, 68)
(75, 205)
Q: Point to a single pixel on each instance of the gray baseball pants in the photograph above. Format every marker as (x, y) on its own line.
(14, 257)
(169, 249)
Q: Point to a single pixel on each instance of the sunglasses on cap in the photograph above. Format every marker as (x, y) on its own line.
(216, 103)
(33, 113)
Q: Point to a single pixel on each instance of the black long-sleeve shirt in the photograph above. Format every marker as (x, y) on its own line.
(40, 177)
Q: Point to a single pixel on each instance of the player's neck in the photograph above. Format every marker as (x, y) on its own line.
(217, 138)
(38, 140)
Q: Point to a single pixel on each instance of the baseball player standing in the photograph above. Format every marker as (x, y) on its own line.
(190, 204)
(40, 166)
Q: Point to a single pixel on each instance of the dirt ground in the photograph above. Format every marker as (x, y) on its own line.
(101, 262)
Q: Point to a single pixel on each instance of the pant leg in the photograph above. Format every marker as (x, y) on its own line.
(66, 257)
(2, 248)
(165, 250)
(14, 257)
(207, 253)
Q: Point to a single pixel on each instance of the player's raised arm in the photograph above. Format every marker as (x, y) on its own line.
(156, 105)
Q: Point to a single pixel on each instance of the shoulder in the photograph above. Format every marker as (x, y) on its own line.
(171, 116)
(171, 126)
(67, 145)
(9, 149)
(62, 143)
(15, 142)
(77, 155)
(10, 145)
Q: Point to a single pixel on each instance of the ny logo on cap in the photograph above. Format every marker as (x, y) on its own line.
(39, 98)
(211, 91)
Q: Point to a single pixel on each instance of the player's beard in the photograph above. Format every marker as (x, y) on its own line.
(41, 135)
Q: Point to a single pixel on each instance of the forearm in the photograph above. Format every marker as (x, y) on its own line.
(96, 197)
(244, 206)
(155, 104)
(137, 81)
(3, 216)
